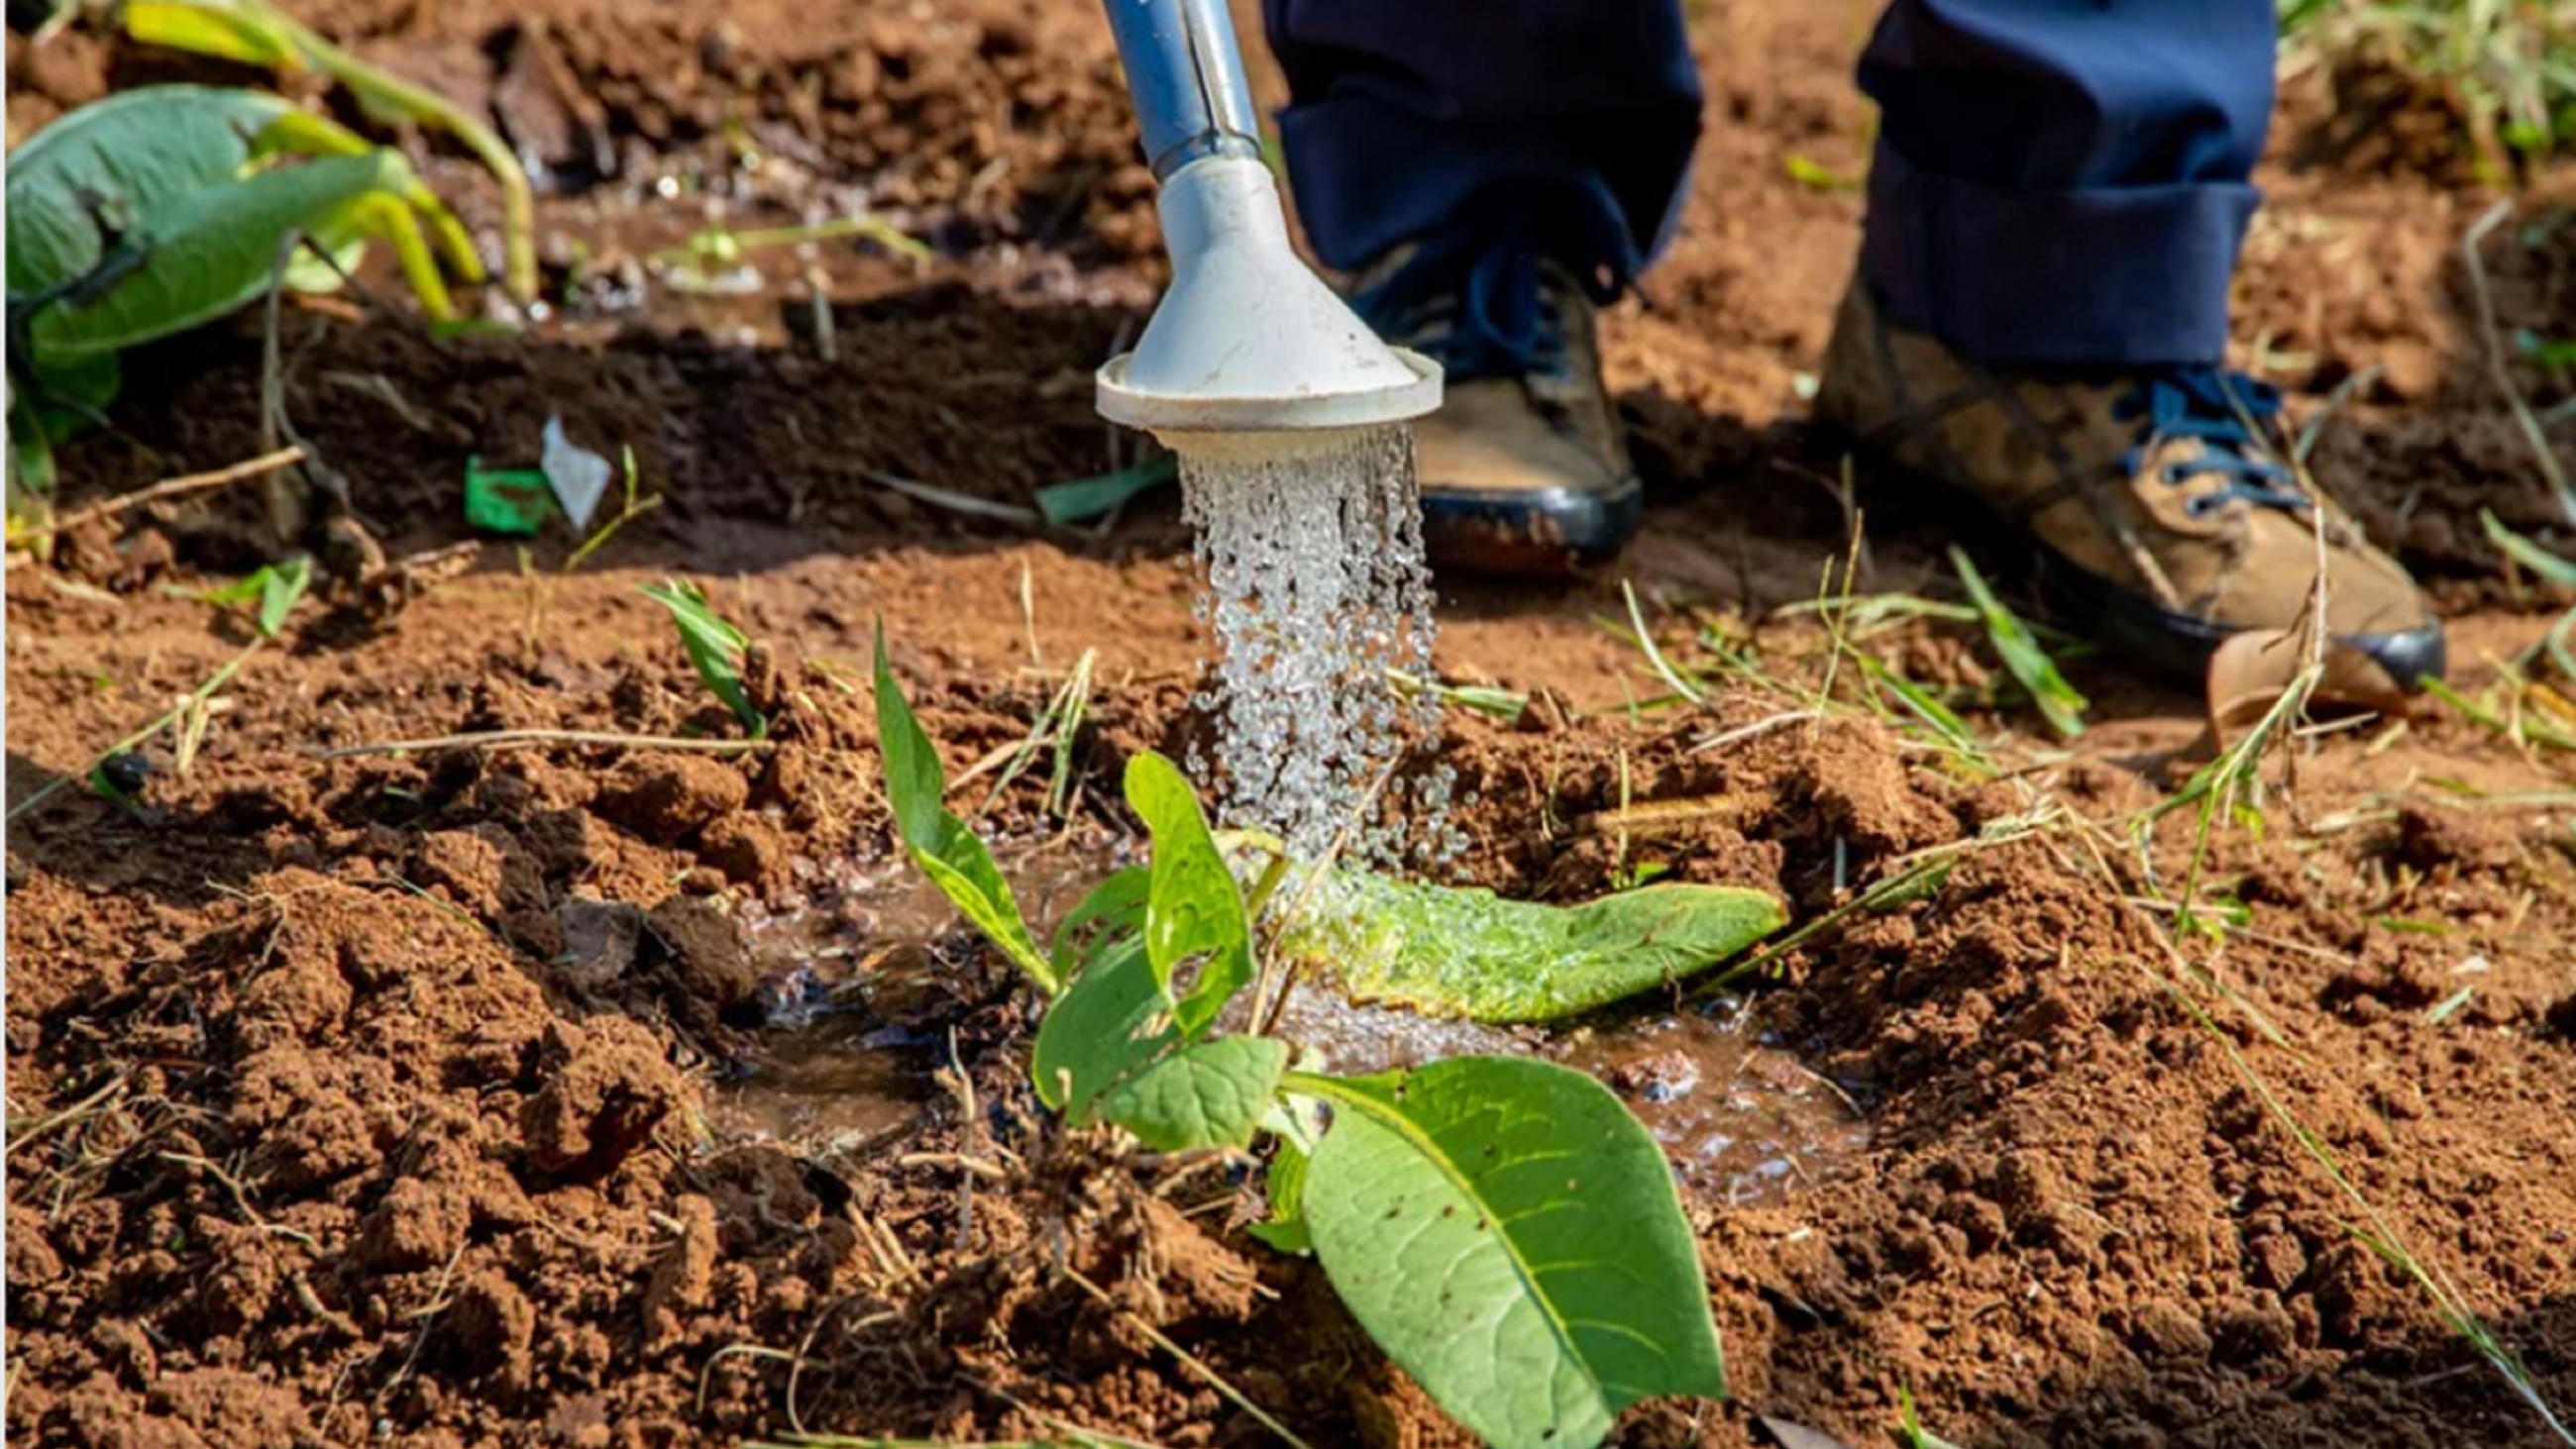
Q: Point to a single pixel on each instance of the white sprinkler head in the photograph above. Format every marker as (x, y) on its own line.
(1248, 339)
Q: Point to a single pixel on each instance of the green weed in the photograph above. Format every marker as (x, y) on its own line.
(715, 648)
(2057, 701)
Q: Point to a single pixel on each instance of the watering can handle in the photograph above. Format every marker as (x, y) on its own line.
(1186, 75)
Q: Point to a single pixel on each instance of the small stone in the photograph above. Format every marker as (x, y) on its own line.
(600, 940)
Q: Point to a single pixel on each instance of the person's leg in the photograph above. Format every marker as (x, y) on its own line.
(2040, 318)
(2066, 180)
(1490, 170)
(1403, 113)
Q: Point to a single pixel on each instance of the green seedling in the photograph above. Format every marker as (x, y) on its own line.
(1909, 1426)
(160, 209)
(1506, 705)
(715, 648)
(2057, 700)
(722, 247)
(1500, 1226)
(254, 33)
(278, 588)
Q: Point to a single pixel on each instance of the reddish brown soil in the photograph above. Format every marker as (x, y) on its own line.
(323, 1130)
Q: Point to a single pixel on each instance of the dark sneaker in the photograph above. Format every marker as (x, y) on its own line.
(2162, 502)
(1524, 469)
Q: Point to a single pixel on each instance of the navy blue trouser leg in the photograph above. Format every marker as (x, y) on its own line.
(2065, 181)
(1408, 113)
(2057, 181)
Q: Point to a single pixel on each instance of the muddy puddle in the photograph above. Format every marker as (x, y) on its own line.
(850, 978)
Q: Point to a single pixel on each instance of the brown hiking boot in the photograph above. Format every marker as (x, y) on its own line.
(2161, 502)
(1524, 469)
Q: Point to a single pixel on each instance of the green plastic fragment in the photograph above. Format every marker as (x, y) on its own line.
(514, 501)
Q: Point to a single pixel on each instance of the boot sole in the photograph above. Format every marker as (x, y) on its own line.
(2178, 645)
(1526, 532)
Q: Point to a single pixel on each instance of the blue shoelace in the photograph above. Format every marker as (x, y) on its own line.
(2223, 409)
(1477, 299)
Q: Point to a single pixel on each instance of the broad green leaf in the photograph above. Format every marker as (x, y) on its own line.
(204, 254)
(941, 844)
(1194, 908)
(161, 208)
(1286, 1229)
(116, 162)
(1510, 1235)
(1116, 906)
(715, 647)
(1109, 1022)
(1208, 1095)
(1447, 951)
(2058, 701)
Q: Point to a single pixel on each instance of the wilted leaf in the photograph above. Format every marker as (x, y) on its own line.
(1447, 951)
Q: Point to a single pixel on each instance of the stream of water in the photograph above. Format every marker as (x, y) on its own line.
(1313, 585)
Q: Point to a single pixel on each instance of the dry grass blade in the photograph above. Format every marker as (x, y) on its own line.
(2500, 369)
(523, 739)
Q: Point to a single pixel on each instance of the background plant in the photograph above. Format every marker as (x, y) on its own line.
(161, 209)
(2511, 64)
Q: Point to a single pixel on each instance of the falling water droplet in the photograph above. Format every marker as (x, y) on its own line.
(1310, 554)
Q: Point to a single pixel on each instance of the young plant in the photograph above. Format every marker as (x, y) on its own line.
(1499, 1225)
(715, 648)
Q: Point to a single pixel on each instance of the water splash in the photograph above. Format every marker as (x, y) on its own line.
(1310, 552)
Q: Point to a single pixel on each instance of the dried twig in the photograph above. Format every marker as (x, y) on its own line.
(181, 487)
(516, 739)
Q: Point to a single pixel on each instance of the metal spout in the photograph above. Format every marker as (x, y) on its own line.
(1247, 339)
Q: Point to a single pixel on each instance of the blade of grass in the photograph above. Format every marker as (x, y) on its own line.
(2058, 701)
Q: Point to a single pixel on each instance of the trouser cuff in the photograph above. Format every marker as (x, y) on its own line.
(2119, 275)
